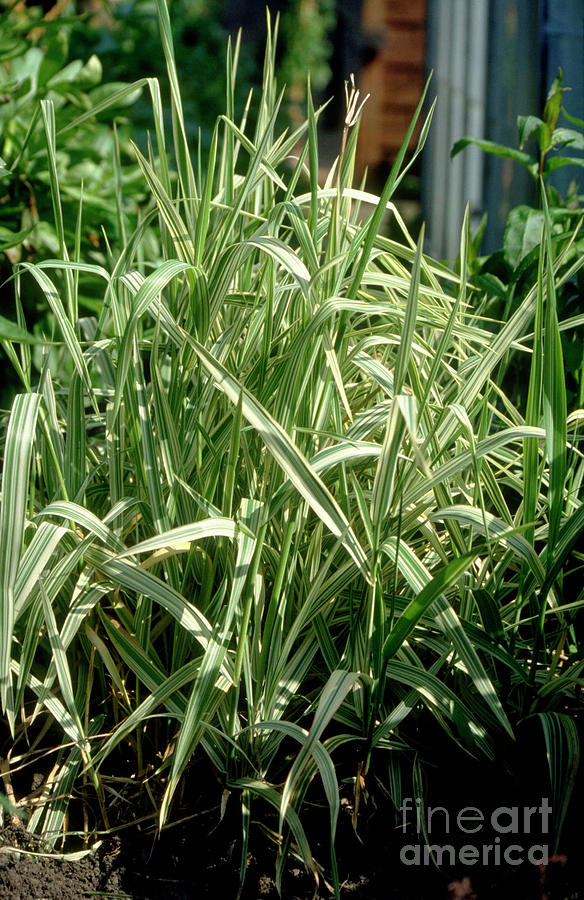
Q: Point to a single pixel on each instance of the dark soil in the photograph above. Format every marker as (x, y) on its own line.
(187, 864)
(199, 855)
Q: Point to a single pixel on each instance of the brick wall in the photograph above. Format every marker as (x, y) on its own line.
(395, 32)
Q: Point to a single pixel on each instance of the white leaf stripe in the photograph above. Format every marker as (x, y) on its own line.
(15, 486)
(294, 464)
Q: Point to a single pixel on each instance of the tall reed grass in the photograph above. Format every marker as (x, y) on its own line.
(273, 492)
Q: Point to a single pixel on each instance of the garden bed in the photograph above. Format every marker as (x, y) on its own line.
(125, 870)
(199, 855)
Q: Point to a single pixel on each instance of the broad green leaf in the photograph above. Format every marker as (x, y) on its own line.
(553, 106)
(523, 232)
(526, 126)
(498, 150)
(11, 332)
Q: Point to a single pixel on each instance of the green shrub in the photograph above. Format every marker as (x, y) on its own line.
(508, 274)
(47, 98)
(128, 43)
(35, 66)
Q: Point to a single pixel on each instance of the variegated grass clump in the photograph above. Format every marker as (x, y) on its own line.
(275, 490)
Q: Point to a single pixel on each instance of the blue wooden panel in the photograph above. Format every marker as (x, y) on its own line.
(562, 45)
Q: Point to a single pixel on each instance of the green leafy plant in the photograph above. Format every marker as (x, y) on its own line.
(274, 494)
(306, 29)
(507, 273)
(550, 140)
(127, 41)
(79, 200)
(35, 66)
